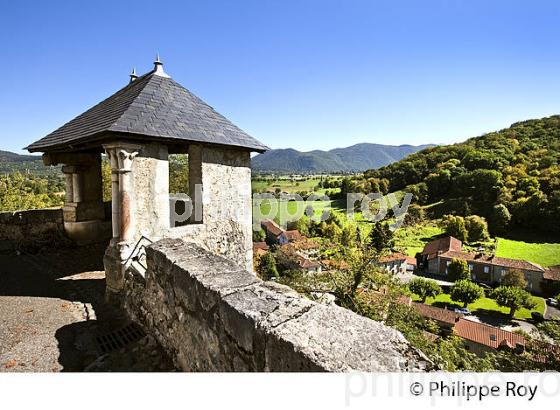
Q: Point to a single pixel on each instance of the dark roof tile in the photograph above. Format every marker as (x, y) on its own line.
(153, 106)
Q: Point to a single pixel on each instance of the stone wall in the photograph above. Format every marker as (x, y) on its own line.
(226, 227)
(31, 229)
(212, 315)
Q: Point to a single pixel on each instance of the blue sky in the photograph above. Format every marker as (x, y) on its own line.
(302, 74)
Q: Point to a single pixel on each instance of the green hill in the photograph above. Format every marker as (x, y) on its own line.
(511, 177)
(12, 162)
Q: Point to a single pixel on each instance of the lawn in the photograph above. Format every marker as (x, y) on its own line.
(290, 185)
(545, 254)
(411, 239)
(484, 306)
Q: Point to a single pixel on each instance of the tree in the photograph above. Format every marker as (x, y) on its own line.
(466, 292)
(515, 278)
(414, 215)
(380, 237)
(477, 228)
(499, 218)
(179, 174)
(513, 298)
(458, 270)
(455, 226)
(424, 288)
(259, 236)
(267, 266)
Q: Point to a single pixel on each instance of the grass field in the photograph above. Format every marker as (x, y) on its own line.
(289, 185)
(411, 239)
(545, 254)
(485, 306)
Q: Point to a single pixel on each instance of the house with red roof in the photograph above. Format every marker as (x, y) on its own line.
(397, 263)
(481, 338)
(489, 269)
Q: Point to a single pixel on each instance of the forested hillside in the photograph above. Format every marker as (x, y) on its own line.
(511, 177)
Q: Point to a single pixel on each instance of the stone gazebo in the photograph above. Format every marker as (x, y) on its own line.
(138, 127)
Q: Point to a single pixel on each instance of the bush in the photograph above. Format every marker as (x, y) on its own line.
(466, 292)
(424, 288)
(477, 228)
(267, 267)
(514, 278)
(458, 270)
(455, 226)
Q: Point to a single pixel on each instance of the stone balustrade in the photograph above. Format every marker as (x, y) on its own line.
(212, 315)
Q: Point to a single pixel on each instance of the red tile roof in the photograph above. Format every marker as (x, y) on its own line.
(260, 245)
(307, 263)
(272, 227)
(552, 273)
(442, 245)
(396, 256)
(493, 260)
(487, 335)
(436, 313)
(293, 235)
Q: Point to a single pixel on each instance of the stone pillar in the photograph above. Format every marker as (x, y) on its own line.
(115, 199)
(77, 183)
(195, 183)
(68, 172)
(84, 212)
(121, 156)
(125, 157)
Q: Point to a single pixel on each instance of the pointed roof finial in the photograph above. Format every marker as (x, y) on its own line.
(133, 75)
(158, 67)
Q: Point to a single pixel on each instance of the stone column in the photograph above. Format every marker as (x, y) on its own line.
(77, 183)
(121, 156)
(67, 171)
(115, 201)
(125, 156)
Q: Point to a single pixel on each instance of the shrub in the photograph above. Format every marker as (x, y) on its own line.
(477, 228)
(424, 288)
(466, 292)
(458, 270)
(514, 278)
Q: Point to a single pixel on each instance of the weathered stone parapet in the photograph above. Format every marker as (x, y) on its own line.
(30, 229)
(212, 315)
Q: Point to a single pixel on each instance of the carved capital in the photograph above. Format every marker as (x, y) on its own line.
(121, 155)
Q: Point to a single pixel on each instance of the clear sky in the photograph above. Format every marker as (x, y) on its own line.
(302, 74)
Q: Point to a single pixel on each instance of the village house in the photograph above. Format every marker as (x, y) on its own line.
(481, 338)
(444, 318)
(488, 269)
(259, 249)
(397, 263)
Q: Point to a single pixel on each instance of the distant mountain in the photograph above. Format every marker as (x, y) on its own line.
(11, 162)
(356, 158)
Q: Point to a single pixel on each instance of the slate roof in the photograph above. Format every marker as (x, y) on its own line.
(152, 106)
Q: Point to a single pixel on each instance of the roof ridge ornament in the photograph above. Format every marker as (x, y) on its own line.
(158, 67)
(133, 75)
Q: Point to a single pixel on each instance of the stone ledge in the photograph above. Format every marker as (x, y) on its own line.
(211, 315)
